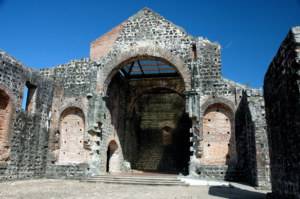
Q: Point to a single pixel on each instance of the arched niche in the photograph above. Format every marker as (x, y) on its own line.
(71, 136)
(6, 110)
(218, 135)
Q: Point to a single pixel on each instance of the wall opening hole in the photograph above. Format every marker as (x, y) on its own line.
(29, 98)
(194, 49)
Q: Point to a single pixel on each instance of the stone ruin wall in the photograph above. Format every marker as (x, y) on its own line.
(82, 84)
(27, 140)
(281, 92)
(250, 125)
(248, 132)
(73, 88)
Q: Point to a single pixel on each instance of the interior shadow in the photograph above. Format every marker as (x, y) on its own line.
(163, 133)
(147, 112)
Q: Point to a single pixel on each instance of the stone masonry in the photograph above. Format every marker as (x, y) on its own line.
(282, 96)
(151, 97)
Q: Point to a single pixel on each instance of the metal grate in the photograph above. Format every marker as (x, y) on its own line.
(141, 68)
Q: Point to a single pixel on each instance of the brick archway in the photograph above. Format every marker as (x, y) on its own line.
(217, 100)
(218, 134)
(71, 130)
(145, 49)
(6, 114)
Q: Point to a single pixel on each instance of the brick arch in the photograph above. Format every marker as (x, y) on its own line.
(71, 136)
(217, 100)
(70, 105)
(218, 133)
(145, 49)
(7, 107)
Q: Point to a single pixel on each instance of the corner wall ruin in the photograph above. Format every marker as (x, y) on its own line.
(28, 130)
(282, 96)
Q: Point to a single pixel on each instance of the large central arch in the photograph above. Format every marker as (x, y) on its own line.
(140, 49)
(147, 112)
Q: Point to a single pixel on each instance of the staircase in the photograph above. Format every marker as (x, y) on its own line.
(163, 180)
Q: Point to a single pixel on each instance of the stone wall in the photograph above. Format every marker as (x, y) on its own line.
(74, 85)
(28, 129)
(148, 33)
(196, 59)
(76, 78)
(281, 91)
(252, 144)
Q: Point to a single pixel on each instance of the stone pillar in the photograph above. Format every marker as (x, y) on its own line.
(95, 133)
(193, 109)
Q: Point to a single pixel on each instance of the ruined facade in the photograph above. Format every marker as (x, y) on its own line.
(151, 97)
(282, 96)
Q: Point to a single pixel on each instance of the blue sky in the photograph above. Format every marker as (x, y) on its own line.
(43, 33)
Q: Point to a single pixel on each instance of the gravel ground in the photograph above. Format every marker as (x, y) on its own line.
(72, 189)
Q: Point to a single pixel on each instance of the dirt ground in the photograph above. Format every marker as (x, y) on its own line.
(73, 189)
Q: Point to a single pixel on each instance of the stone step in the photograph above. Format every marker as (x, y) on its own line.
(141, 182)
(139, 175)
(137, 180)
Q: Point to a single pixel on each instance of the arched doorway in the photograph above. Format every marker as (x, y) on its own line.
(147, 109)
(71, 132)
(219, 146)
(112, 162)
(5, 116)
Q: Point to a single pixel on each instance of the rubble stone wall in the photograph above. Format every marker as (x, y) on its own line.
(282, 96)
(252, 143)
(27, 142)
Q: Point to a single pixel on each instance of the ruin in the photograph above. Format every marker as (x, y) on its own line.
(149, 98)
(282, 96)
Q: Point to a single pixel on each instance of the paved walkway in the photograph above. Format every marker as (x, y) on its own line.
(72, 189)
